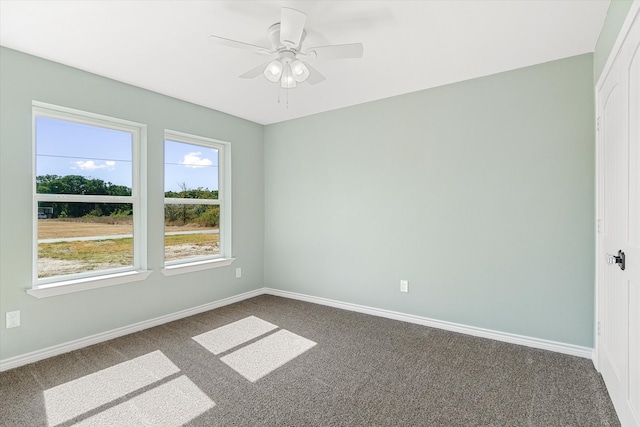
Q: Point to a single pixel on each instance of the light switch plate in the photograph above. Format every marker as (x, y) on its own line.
(404, 286)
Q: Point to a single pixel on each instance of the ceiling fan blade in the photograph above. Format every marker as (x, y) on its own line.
(291, 26)
(314, 76)
(351, 50)
(254, 72)
(239, 45)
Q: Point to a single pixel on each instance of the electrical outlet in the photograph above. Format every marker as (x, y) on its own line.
(404, 286)
(13, 319)
(238, 273)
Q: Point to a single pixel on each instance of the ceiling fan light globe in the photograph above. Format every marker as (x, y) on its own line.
(273, 72)
(299, 70)
(287, 81)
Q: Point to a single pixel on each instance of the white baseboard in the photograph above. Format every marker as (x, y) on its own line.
(558, 347)
(14, 362)
(573, 350)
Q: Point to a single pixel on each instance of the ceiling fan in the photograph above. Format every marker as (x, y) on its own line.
(287, 37)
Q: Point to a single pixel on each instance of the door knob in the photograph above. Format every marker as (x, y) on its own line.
(619, 259)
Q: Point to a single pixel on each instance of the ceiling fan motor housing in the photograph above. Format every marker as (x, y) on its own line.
(274, 38)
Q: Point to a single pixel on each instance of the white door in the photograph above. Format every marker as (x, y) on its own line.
(618, 176)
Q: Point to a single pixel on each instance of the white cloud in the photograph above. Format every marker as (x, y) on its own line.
(193, 160)
(90, 165)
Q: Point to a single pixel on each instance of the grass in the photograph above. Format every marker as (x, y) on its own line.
(117, 252)
(112, 251)
(111, 220)
(190, 245)
(53, 229)
(191, 239)
(66, 228)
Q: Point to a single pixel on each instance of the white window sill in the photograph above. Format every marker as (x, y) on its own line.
(188, 267)
(86, 283)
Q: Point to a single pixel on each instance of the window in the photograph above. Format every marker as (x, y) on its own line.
(196, 226)
(86, 208)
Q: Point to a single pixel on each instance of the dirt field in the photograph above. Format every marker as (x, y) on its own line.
(67, 257)
(188, 251)
(55, 267)
(52, 229)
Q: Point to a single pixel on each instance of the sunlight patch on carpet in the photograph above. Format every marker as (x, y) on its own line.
(74, 398)
(234, 334)
(258, 359)
(171, 404)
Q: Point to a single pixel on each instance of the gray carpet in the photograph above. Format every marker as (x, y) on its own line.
(271, 361)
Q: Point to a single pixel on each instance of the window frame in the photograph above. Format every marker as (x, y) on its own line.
(93, 278)
(224, 256)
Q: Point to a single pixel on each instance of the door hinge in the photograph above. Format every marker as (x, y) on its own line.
(598, 225)
(598, 124)
(598, 328)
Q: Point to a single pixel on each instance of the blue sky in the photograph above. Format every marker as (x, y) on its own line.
(194, 165)
(68, 148)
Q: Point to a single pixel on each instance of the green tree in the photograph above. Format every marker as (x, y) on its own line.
(77, 184)
(182, 214)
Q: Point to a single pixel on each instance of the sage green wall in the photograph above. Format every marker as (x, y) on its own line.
(616, 14)
(50, 321)
(479, 193)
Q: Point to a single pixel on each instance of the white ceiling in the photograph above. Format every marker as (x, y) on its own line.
(408, 45)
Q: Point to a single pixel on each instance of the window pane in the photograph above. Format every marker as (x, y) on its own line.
(75, 158)
(190, 171)
(191, 231)
(81, 237)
